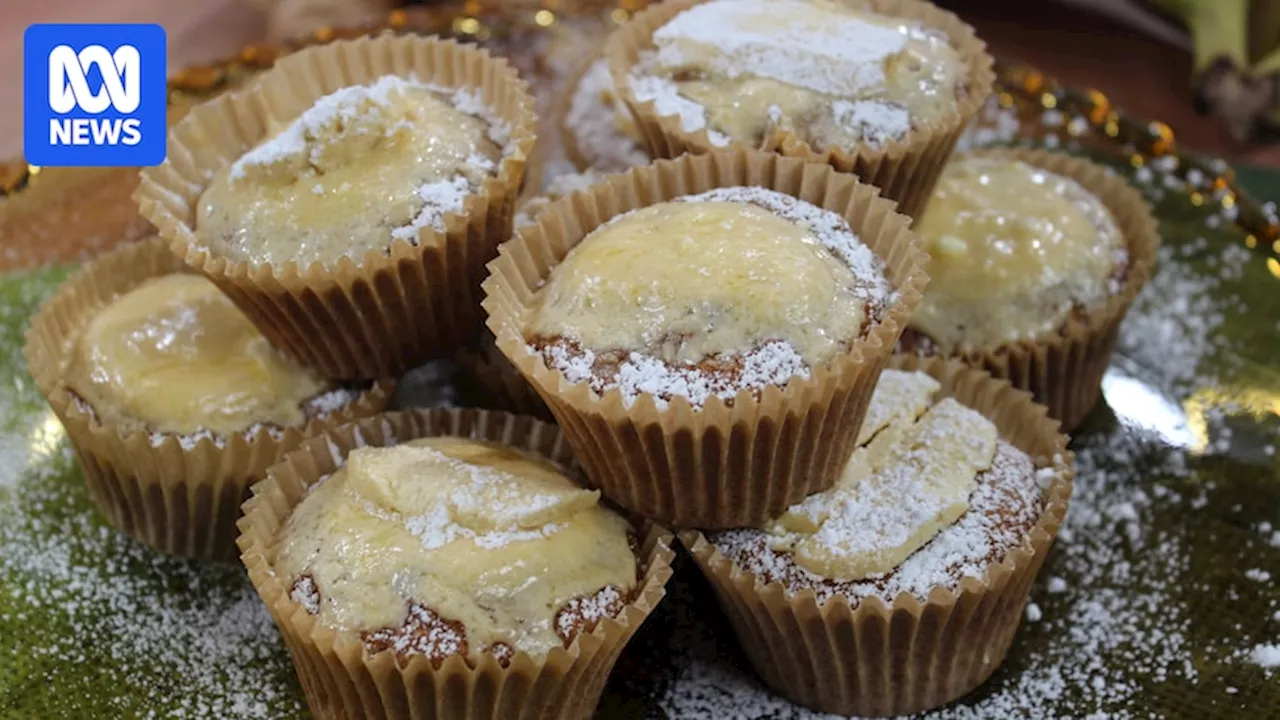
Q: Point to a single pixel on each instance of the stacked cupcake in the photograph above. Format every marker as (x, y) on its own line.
(738, 341)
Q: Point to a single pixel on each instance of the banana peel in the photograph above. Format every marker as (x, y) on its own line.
(1236, 69)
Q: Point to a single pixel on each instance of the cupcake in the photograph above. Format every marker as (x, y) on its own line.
(1036, 258)
(900, 588)
(174, 401)
(597, 129)
(882, 89)
(349, 199)
(499, 588)
(707, 330)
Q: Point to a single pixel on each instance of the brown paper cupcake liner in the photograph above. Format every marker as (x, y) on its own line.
(390, 311)
(498, 383)
(1064, 370)
(871, 658)
(179, 494)
(726, 464)
(342, 680)
(905, 170)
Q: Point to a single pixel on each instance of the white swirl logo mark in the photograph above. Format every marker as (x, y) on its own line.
(69, 84)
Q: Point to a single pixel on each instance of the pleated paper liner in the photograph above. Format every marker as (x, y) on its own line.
(871, 658)
(726, 464)
(1064, 370)
(905, 170)
(389, 311)
(179, 494)
(492, 376)
(342, 680)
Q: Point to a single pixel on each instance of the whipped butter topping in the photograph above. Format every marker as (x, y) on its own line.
(365, 166)
(830, 74)
(912, 479)
(1015, 250)
(479, 534)
(175, 354)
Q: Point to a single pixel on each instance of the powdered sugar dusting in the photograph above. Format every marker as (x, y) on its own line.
(176, 639)
(348, 104)
(438, 199)
(593, 119)
(666, 98)
(1006, 502)
(331, 401)
(877, 122)
(1265, 656)
(799, 44)
(587, 610)
(773, 363)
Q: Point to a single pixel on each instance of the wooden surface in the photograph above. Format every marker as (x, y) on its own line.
(1141, 75)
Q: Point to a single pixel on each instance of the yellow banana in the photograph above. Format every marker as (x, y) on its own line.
(1264, 28)
(1219, 30)
(1223, 86)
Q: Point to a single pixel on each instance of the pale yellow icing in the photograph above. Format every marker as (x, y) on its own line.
(479, 533)
(833, 75)
(685, 281)
(177, 355)
(908, 482)
(1015, 249)
(364, 166)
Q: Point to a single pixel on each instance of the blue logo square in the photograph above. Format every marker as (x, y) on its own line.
(94, 95)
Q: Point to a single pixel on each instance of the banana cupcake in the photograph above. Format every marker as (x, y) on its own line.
(880, 88)
(349, 199)
(900, 588)
(696, 325)
(174, 401)
(1036, 258)
(455, 546)
(598, 131)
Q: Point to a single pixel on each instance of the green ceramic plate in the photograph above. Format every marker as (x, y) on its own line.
(1160, 598)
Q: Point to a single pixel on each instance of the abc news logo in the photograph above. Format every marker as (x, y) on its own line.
(69, 89)
(94, 95)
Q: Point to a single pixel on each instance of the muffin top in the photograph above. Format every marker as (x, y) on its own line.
(603, 130)
(363, 167)
(1016, 249)
(930, 494)
(735, 273)
(827, 73)
(175, 354)
(490, 542)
